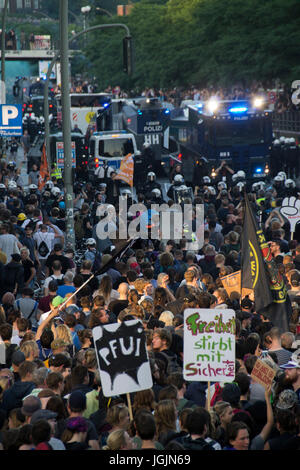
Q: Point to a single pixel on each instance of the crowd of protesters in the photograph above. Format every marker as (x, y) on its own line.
(50, 389)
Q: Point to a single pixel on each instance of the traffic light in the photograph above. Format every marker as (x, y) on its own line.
(127, 55)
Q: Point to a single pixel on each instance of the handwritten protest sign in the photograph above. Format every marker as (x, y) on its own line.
(232, 284)
(209, 345)
(122, 358)
(263, 374)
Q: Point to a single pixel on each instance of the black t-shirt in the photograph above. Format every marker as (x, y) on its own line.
(27, 265)
(65, 263)
(93, 284)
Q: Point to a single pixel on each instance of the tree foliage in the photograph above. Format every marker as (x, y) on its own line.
(184, 42)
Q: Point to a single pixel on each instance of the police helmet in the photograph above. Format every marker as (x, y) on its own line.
(2, 186)
(178, 179)
(49, 184)
(151, 176)
(292, 140)
(259, 186)
(241, 174)
(12, 185)
(222, 185)
(206, 179)
(126, 192)
(33, 186)
(289, 183)
(276, 142)
(212, 190)
(278, 179)
(91, 241)
(240, 185)
(282, 139)
(235, 177)
(282, 174)
(55, 191)
(156, 193)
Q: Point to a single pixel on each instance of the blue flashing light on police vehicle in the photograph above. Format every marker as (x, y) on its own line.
(238, 110)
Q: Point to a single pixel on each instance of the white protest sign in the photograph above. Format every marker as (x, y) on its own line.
(209, 345)
(291, 210)
(122, 358)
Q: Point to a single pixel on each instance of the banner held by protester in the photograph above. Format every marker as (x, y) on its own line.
(209, 345)
(122, 358)
(260, 273)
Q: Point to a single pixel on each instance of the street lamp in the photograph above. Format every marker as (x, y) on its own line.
(85, 11)
(104, 11)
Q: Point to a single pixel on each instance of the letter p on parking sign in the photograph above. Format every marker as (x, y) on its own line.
(11, 120)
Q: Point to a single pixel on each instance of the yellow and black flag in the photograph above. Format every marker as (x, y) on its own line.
(260, 273)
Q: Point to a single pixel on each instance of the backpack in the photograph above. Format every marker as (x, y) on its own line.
(32, 224)
(60, 282)
(43, 249)
(78, 226)
(173, 365)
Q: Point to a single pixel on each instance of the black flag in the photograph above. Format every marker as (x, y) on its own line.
(117, 256)
(260, 273)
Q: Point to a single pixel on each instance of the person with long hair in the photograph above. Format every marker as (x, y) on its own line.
(63, 332)
(118, 417)
(160, 297)
(106, 290)
(165, 415)
(57, 405)
(224, 414)
(74, 436)
(144, 399)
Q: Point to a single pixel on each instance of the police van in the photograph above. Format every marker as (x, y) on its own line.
(110, 147)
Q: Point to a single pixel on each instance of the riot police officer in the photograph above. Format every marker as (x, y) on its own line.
(151, 183)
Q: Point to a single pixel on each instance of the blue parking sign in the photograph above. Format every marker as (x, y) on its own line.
(11, 124)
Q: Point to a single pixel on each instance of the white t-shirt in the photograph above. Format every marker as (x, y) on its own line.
(47, 237)
(9, 245)
(44, 316)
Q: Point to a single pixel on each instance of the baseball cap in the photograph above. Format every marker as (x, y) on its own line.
(57, 301)
(17, 358)
(42, 414)
(287, 399)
